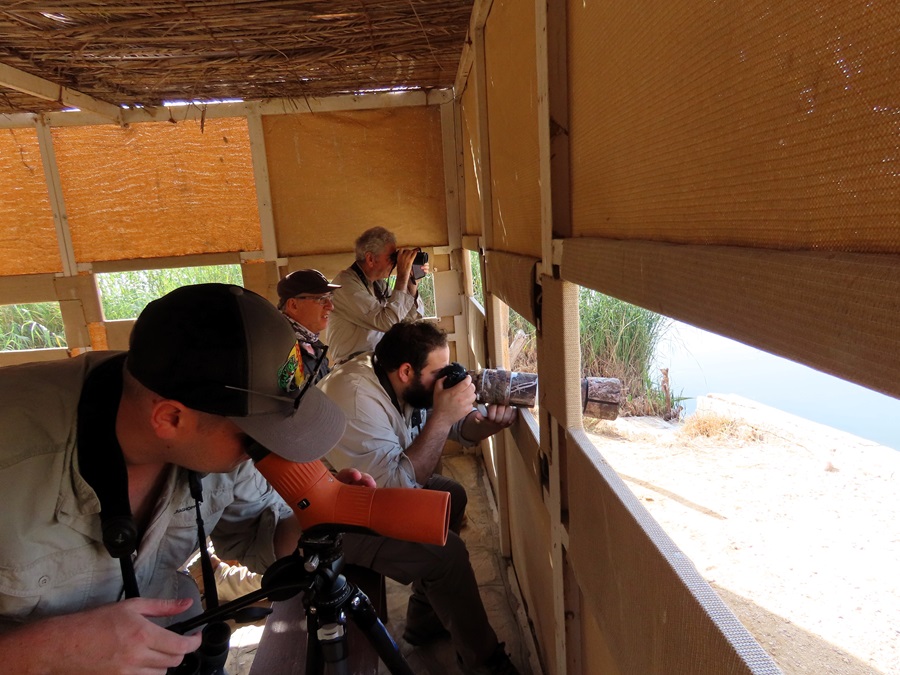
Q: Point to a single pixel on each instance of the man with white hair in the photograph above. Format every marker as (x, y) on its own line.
(364, 308)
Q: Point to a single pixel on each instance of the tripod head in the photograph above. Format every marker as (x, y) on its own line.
(329, 599)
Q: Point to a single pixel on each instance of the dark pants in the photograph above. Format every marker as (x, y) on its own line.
(444, 585)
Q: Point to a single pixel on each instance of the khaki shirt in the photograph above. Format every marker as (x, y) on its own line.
(360, 319)
(52, 558)
(377, 432)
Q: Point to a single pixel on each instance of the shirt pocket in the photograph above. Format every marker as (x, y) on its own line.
(66, 581)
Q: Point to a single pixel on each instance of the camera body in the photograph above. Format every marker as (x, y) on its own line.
(495, 386)
(454, 372)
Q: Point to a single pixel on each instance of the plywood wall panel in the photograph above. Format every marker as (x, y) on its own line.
(472, 171)
(837, 312)
(529, 525)
(510, 55)
(511, 278)
(658, 614)
(158, 189)
(27, 232)
(334, 175)
(754, 124)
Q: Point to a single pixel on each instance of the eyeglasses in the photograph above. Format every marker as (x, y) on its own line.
(318, 299)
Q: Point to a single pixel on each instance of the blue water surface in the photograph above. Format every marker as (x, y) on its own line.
(701, 363)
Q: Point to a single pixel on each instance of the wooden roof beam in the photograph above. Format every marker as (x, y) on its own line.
(33, 85)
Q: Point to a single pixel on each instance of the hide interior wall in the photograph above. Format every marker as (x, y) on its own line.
(27, 234)
(763, 141)
(511, 61)
(333, 175)
(471, 161)
(750, 124)
(158, 189)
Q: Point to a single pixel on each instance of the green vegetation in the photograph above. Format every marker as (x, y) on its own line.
(122, 294)
(620, 340)
(477, 286)
(426, 292)
(617, 340)
(36, 325)
(125, 294)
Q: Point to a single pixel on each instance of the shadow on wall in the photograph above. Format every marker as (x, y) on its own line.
(796, 651)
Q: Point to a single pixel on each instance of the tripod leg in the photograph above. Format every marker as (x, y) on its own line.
(326, 647)
(366, 618)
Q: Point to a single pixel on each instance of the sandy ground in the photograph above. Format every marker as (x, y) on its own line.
(796, 525)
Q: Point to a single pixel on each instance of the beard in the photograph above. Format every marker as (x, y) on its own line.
(417, 395)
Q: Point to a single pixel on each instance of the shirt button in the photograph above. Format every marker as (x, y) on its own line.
(44, 580)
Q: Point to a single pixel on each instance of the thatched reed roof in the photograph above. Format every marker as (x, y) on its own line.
(145, 52)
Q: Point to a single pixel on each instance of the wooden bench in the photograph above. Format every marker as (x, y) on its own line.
(282, 649)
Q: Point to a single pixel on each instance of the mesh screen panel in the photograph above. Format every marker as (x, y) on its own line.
(510, 55)
(27, 233)
(334, 175)
(158, 189)
(754, 124)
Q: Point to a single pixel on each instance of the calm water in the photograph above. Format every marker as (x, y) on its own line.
(704, 363)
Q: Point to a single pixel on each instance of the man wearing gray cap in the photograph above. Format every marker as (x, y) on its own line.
(99, 459)
(306, 298)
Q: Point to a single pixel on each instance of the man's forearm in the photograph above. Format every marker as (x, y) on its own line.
(425, 452)
(476, 430)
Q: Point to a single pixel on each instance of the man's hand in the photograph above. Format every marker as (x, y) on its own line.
(501, 416)
(353, 476)
(454, 403)
(405, 257)
(479, 426)
(113, 639)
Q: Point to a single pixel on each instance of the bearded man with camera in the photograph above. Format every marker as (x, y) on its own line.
(364, 306)
(399, 416)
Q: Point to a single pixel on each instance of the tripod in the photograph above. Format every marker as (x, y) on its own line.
(328, 600)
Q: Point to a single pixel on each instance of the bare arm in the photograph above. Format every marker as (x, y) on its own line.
(450, 406)
(405, 279)
(109, 640)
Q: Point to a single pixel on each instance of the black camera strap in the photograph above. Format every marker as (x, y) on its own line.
(102, 464)
(379, 287)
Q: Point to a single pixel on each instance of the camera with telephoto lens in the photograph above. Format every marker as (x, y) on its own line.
(495, 386)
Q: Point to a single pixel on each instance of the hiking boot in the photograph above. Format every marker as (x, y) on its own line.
(497, 663)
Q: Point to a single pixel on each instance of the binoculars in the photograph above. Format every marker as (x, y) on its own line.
(420, 259)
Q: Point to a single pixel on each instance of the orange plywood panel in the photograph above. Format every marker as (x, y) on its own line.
(472, 160)
(158, 189)
(510, 57)
(754, 124)
(336, 174)
(27, 234)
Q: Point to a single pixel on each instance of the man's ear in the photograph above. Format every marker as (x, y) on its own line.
(406, 373)
(168, 418)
